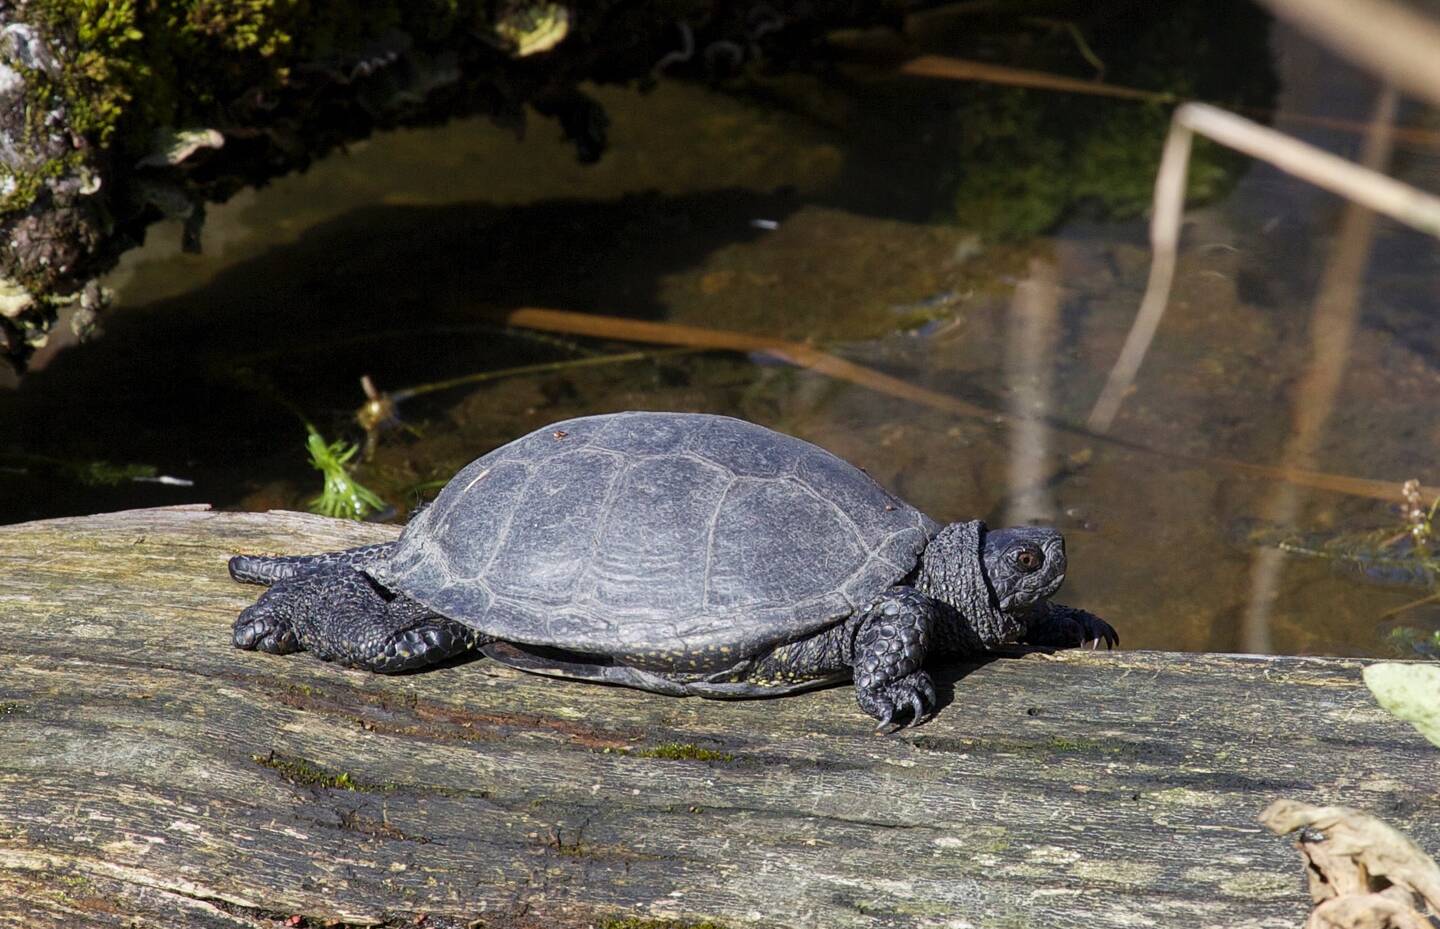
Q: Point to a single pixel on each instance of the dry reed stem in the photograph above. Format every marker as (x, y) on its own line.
(599, 326)
(1363, 186)
(1395, 199)
(1169, 209)
(795, 353)
(1385, 38)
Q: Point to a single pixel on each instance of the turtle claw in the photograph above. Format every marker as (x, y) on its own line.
(913, 692)
(917, 708)
(265, 633)
(1102, 633)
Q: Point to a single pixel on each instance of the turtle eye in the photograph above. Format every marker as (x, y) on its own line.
(1028, 558)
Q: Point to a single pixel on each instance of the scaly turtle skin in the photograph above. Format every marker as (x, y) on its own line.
(680, 553)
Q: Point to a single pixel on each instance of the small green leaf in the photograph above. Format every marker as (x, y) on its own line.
(1410, 692)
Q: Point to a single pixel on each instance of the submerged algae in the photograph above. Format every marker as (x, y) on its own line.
(1026, 159)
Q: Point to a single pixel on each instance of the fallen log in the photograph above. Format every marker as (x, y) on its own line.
(153, 775)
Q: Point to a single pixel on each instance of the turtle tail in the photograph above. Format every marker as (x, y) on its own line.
(267, 569)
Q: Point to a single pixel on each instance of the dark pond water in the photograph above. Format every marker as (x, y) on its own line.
(860, 213)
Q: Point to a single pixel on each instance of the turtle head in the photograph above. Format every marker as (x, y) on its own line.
(1024, 565)
(981, 571)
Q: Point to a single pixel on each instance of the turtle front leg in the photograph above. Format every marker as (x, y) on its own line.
(343, 616)
(1060, 626)
(894, 636)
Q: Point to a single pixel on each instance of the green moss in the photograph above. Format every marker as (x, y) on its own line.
(638, 922)
(683, 751)
(129, 69)
(26, 183)
(9, 708)
(1075, 746)
(995, 845)
(1260, 886)
(99, 82)
(177, 62)
(300, 771)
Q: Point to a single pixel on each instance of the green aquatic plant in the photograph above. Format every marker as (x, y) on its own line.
(1409, 640)
(1402, 554)
(108, 474)
(343, 497)
(1025, 158)
(1383, 556)
(93, 472)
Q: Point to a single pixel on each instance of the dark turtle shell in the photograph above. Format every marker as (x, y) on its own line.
(665, 539)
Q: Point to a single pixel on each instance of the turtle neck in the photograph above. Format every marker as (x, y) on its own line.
(952, 573)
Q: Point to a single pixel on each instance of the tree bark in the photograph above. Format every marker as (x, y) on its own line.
(153, 775)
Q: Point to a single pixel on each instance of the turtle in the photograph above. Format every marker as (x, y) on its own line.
(679, 553)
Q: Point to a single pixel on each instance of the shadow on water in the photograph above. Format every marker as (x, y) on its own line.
(190, 384)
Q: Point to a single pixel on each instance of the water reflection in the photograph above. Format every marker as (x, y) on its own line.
(1029, 361)
(1332, 329)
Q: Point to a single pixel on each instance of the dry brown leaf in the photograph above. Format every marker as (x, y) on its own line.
(1364, 874)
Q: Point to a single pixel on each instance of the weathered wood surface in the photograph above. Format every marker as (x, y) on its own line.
(152, 775)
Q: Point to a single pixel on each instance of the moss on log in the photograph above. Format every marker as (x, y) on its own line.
(152, 775)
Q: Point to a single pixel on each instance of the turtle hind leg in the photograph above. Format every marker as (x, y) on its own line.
(429, 641)
(271, 569)
(342, 615)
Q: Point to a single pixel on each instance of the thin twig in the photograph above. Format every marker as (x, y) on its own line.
(966, 70)
(546, 367)
(380, 410)
(1407, 607)
(961, 69)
